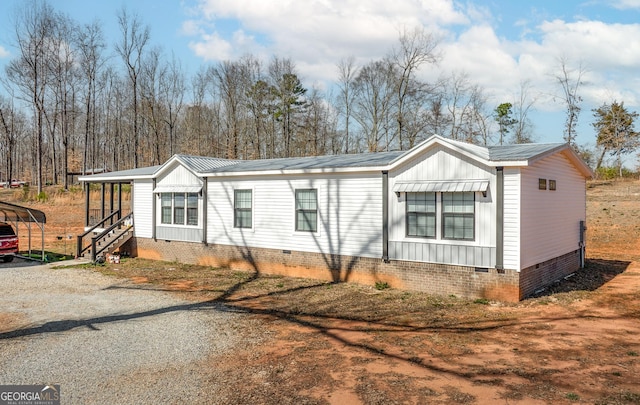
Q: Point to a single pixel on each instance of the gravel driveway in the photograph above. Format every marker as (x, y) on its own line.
(105, 340)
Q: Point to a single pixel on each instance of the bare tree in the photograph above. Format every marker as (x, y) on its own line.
(523, 128)
(89, 40)
(347, 73)
(28, 72)
(172, 89)
(415, 48)
(373, 105)
(11, 127)
(570, 81)
(131, 49)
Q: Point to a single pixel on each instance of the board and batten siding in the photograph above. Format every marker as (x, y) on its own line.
(143, 208)
(551, 219)
(441, 164)
(512, 212)
(178, 175)
(349, 213)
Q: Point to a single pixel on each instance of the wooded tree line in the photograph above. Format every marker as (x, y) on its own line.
(73, 104)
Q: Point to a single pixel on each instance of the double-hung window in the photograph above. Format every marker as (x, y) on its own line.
(307, 210)
(166, 203)
(458, 216)
(421, 215)
(192, 209)
(179, 208)
(242, 209)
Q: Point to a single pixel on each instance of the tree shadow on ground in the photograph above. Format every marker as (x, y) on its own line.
(594, 275)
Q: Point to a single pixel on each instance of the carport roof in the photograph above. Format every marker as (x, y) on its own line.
(13, 212)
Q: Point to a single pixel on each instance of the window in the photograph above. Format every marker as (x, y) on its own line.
(307, 210)
(165, 203)
(542, 184)
(458, 216)
(421, 214)
(552, 185)
(192, 209)
(242, 209)
(179, 208)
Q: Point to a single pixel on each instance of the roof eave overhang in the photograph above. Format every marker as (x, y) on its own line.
(293, 172)
(429, 143)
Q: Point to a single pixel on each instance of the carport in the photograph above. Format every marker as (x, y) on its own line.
(17, 214)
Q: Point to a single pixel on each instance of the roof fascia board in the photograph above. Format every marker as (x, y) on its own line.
(297, 171)
(175, 158)
(115, 179)
(428, 143)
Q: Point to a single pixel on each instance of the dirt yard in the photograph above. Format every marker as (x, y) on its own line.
(324, 343)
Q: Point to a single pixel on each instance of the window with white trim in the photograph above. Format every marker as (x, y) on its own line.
(458, 216)
(307, 210)
(179, 208)
(242, 209)
(421, 215)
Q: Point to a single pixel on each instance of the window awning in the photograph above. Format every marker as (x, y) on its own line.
(447, 186)
(177, 189)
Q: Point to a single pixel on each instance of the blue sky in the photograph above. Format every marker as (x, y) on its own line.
(497, 43)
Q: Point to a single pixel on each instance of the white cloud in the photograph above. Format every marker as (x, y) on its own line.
(626, 4)
(316, 34)
(319, 31)
(3, 52)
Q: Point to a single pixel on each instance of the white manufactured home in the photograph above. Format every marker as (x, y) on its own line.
(445, 217)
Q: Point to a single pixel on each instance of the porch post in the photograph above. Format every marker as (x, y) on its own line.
(87, 189)
(102, 191)
(120, 200)
(111, 188)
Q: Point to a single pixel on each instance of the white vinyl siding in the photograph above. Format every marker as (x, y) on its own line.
(441, 164)
(511, 235)
(349, 213)
(551, 218)
(143, 208)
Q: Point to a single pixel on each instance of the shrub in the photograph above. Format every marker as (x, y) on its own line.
(382, 285)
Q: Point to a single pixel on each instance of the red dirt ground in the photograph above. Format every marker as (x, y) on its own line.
(323, 343)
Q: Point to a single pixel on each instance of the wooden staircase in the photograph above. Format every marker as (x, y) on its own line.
(105, 241)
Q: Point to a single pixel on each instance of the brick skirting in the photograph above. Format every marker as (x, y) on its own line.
(543, 274)
(432, 278)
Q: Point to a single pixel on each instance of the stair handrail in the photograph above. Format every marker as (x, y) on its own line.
(79, 248)
(94, 239)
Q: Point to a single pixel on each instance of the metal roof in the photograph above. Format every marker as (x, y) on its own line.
(447, 186)
(314, 162)
(15, 213)
(523, 151)
(208, 165)
(121, 175)
(202, 164)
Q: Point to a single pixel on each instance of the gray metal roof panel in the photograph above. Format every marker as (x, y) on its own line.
(123, 174)
(523, 151)
(203, 164)
(313, 162)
